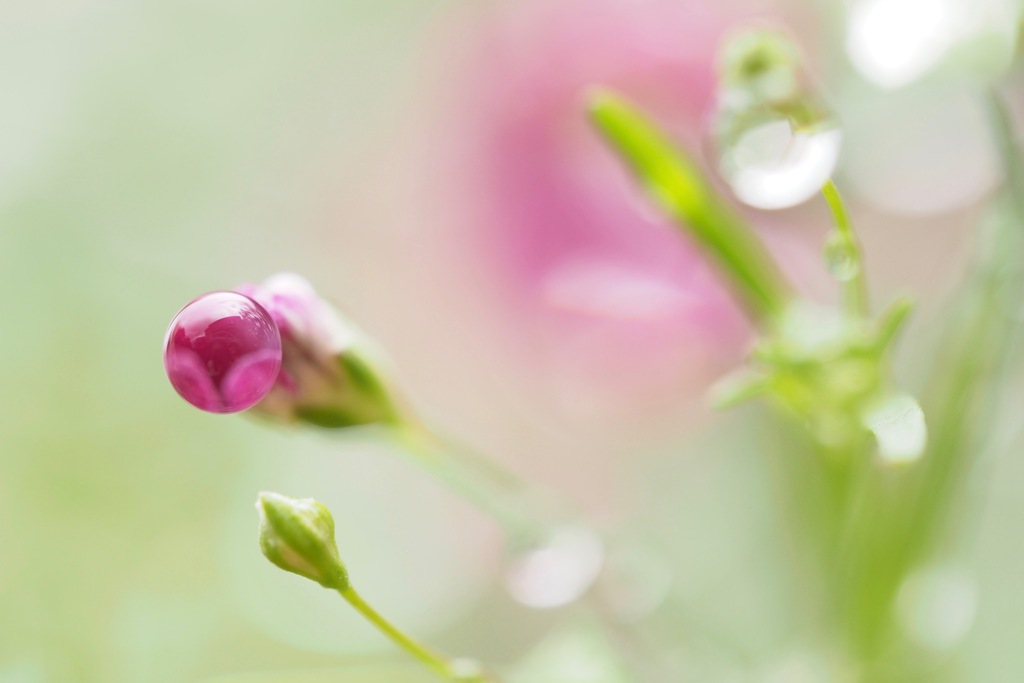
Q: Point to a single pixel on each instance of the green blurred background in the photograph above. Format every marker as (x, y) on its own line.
(152, 150)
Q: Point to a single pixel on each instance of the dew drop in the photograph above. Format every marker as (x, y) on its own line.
(772, 166)
(222, 352)
(899, 427)
(636, 582)
(840, 257)
(937, 606)
(466, 670)
(557, 570)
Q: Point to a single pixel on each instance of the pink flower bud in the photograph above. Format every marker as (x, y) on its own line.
(223, 352)
(301, 315)
(329, 376)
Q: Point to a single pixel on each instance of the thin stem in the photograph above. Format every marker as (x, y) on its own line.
(982, 338)
(436, 661)
(890, 322)
(839, 212)
(1006, 141)
(920, 515)
(854, 286)
(523, 512)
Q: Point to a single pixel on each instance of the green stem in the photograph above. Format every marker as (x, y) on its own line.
(854, 286)
(1006, 141)
(919, 514)
(434, 660)
(525, 514)
(981, 338)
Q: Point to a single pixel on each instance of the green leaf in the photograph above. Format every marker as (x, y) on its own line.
(678, 185)
(890, 323)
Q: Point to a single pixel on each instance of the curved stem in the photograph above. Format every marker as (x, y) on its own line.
(436, 661)
(854, 287)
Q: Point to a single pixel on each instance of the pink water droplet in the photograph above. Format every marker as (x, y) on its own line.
(222, 352)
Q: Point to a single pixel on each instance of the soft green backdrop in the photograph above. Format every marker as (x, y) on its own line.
(151, 150)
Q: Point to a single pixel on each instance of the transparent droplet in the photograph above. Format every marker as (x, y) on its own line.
(558, 570)
(466, 670)
(636, 581)
(758, 65)
(899, 427)
(840, 257)
(222, 352)
(936, 607)
(772, 166)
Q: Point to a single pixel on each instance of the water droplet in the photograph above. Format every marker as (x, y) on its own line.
(772, 166)
(222, 352)
(899, 427)
(840, 257)
(635, 583)
(936, 607)
(466, 670)
(558, 570)
(759, 65)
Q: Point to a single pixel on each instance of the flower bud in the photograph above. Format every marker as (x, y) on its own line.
(330, 374)
(761, 65)
(297, 535)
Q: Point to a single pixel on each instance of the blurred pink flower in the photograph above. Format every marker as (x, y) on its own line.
(606, 294)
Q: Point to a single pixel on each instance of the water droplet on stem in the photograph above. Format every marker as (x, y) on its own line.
(771, 165)
(840, 257)
(557, 570)
(899, 427)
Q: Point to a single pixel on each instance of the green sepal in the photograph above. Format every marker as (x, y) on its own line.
(739, 387)
(891, 322)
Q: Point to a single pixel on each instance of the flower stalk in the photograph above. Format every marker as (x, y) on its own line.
(524, 513)
(298, 537)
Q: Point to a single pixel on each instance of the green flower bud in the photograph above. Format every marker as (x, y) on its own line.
(298, 536)
(763, 63)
